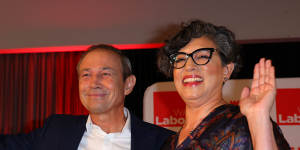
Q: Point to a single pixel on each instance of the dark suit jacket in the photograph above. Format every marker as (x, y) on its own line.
(64, 132)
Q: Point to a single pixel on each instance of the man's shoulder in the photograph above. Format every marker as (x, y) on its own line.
(67, 117)
(148, 136)
(59, 120)
(158, 128)
(138, 124)
(63, 125)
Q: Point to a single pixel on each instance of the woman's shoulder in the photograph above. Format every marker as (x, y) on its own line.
(229, 117)
(227, 121)
(228, 128)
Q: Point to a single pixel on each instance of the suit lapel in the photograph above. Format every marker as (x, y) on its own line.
(135, 127)
(139, 134)
(74, 133)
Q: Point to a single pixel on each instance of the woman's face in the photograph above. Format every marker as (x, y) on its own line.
(199, 84)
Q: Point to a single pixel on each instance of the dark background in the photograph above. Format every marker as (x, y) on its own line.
(284, 57)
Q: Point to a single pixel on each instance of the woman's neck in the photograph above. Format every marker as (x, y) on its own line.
(195, 115)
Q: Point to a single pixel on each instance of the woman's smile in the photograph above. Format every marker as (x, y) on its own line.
(192, 80)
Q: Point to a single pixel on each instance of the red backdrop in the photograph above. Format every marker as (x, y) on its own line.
(34, 86)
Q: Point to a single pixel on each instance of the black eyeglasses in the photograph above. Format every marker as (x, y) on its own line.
(200, 57)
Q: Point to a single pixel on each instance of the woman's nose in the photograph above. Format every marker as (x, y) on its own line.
(190, 64)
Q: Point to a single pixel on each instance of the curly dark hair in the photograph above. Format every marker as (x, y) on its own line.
(220, 35)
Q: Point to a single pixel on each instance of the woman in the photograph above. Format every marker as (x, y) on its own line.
(201, 58)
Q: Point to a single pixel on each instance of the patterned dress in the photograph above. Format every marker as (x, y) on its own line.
(223, 129)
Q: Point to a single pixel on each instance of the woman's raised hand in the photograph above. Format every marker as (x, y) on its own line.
(259, 99)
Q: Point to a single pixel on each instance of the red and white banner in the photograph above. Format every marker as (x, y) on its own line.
(164, 107)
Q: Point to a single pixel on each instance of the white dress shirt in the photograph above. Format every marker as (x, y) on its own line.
(94, 138)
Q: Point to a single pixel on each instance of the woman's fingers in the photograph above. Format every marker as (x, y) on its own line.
(268, 73)
(261, 73)
(255, 81)
(245, 93)
(263, 76)
(272, 79)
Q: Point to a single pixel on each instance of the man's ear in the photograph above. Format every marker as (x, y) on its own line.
(129, 84)
(228, 70)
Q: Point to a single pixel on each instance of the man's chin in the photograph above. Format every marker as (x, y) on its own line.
(96, 111)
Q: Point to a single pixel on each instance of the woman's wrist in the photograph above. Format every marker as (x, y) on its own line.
(261, 130)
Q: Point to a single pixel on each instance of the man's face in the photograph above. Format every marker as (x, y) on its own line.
(101, 85)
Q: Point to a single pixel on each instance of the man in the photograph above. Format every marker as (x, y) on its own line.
(105, 78)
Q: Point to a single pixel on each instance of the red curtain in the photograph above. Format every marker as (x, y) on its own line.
(34, 86)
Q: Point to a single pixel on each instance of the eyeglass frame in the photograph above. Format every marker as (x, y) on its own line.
(172, 56)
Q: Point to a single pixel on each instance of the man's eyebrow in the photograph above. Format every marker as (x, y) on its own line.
(84, 69)
(112, 70)
(107, 68)
(102, 69)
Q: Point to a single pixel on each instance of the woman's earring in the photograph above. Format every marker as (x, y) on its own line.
(225, 79)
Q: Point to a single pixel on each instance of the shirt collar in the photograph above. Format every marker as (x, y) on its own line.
(90, 126)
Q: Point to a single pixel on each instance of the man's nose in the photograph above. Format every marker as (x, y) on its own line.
(96, 81)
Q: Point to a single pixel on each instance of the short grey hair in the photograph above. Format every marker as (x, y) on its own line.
(126, 65)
